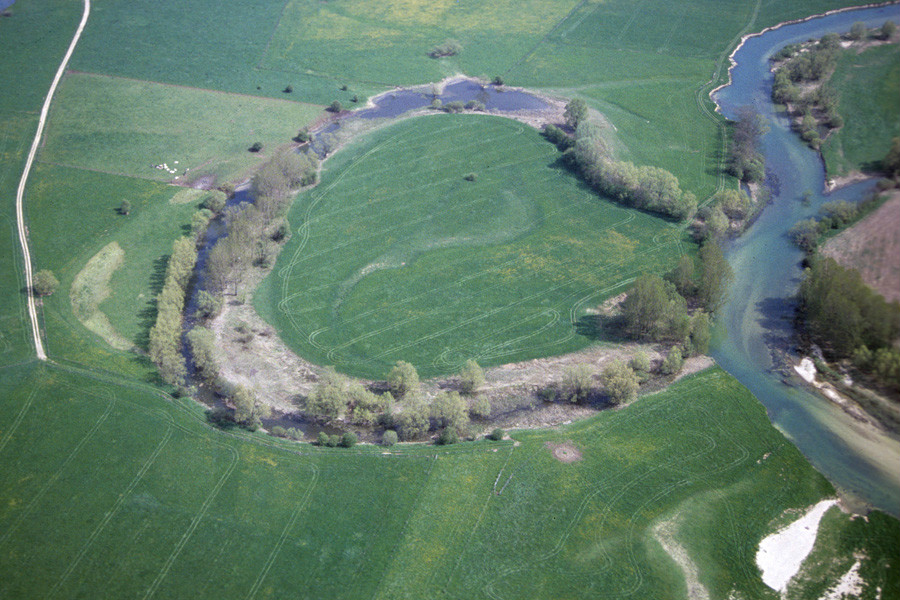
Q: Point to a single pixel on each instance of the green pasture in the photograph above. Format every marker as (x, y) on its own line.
(419, 264)
(866, 85)
(127, 127)
(387, 41)
(133, 496)
(72, 215)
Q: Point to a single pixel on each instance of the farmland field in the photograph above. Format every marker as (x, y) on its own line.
(133, 496)
(866, 86)
(420, 264)
(127, 127)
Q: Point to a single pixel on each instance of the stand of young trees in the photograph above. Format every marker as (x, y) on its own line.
(745, 161)
(848, 319)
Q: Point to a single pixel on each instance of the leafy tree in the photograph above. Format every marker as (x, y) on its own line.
(288, 89)
(365, 406)
(208, 306)
(653, 309)
(302, 136)
(840, 212)
(44, 283)
(480, 407)
(640, 364)
(682, 277)
(403, 379)
(202, 342)
(322, 439)
(577, 382)
(745, 161)
(888, 29)
(349, 439)
(450, 47)
(448, 436)
(715, 222)
(891, 163)
(673, 362)
(576, 112)
(558, 137)
(449, 409)
(715, 276)
(125, 208)
(413, 422)
(471, 377)
(215, 201)
(248, 411)
(389, 438)
(805, 234)
(497, 434)
(734, 203)
(700, 333)
(335, 106)
(620, 382)
(256, 147)
(497, 80)
(858, 31)
(328, 400)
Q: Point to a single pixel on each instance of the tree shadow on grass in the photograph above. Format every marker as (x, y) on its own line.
(147, 314)
(602, 328)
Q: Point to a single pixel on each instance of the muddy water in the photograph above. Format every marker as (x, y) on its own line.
(861, 461)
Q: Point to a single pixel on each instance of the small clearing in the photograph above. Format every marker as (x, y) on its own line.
(780, 554)
(872, 247)
(567, 452)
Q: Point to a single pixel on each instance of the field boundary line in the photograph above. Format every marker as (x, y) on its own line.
(20, 193)
(18, 420)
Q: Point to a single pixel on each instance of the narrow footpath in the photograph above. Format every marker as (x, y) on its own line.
(20, 193)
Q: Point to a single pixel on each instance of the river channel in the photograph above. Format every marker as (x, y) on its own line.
(863, 462)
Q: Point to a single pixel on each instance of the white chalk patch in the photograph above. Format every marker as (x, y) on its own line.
(780, 555)
(851, 585)
(806, 369)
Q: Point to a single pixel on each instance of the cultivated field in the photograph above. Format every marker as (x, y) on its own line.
(419, 264)
(866, 84)
(133, 496)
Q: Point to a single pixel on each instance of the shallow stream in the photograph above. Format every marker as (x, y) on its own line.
(757, 317)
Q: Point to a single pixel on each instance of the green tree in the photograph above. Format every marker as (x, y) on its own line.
(335, 106)
(125, 208)
(208, 306)
(448, 436)
(888, 29)
(202, 342)
(471, 377)
(700, 333)
(640, 364)
(248, 411)
(497, 434)
(480, 407)
(858, 31)
(348, 439)
(44, 283)
(891, 162)
(683, 276)
(620, 382)
(576, 112)
(449, 409)
(715, 276)
(673, 362)
(413, 422)
(328, 399)
(389, 438)
(403, 379)
(577, 382)
(805, 234)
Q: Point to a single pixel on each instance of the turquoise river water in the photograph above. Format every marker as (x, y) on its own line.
(862, 462)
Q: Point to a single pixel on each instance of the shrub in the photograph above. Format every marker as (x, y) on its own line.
(476, 105)
(349, 439)
(403, 379)
(471, 377)
(673, 362)
(215, 201)
(456, 106)
(288, 89)
(448, 436)
(480, 407)
(577, 382)
(620, 382)
(279, 431)
(125, 208)
(448, 409)
(302, 136)
(44, 283)
(496, 435)
(256, 147)
(448, 48)
(322, 439)
(470, 177)
(335, 106)
(389, 438)
(640, 364)
(497, 80)
(413, 421)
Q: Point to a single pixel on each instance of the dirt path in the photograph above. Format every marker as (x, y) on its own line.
(20, 193)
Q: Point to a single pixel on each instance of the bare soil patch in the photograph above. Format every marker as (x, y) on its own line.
(872, 247)
(567, 452)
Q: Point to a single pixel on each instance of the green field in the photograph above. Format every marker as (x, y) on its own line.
(866, 85)
(109, 505)
(126, 127)
(419, 264)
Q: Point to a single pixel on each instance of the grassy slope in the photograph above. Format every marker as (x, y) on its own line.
(427, 267)
(867, 85)
(126, 127)
(116, 508)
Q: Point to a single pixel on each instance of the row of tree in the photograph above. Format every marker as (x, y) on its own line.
(644, 187)
(165, 335)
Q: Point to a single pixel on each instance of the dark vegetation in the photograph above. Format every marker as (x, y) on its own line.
(448, 48)
(745, 161)
(165, 335)
(44, 283)
(850, 321)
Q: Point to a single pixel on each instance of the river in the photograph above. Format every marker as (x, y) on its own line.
(862, 462)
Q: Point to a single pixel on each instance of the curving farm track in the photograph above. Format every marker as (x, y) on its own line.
(20, 192)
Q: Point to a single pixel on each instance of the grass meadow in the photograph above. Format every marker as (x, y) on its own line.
(127, 127)
(420, 264)
(866, 85)
(134, 496)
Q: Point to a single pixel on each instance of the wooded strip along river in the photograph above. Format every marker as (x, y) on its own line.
(758, 314)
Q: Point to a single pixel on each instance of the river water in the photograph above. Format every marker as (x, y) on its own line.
(864, 463)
